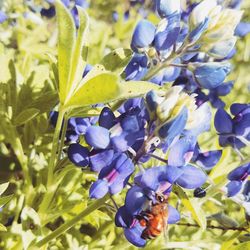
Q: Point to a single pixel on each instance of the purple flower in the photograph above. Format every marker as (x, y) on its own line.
(78, 155)
(114, 177)
(242, 29)
(170, 130)
(143, 35)
(3, 17)
(233, 131)
(137, 67)
(187, 150)
(97, 137)
(167, 8)
(210, 75)
(237, 178)
(167, 33)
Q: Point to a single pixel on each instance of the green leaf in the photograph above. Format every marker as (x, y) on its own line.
(3, 187)
(25, 116)
(117, 60)
(77, 62)
(5, 199)
(3, 228)
(224, 220)
(242, 246)
(102, 88)
(66, 44)
(134, 89)
(193, 206)
(45, 102)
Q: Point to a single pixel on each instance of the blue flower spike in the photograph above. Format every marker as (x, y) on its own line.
(143, 35)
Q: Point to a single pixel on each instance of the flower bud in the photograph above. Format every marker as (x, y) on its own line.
(166, 8)
(210, 75)
(143, 35)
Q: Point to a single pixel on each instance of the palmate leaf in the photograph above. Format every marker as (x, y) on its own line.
(70, 49)
(5, 199)
(193, 206)
(3, 187)
(2, 228)
(66, 44)
(25, 116)
(99, 89)
(117, 60)
(134, 89)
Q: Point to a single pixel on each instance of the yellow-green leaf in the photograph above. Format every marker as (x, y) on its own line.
(3, 187)
(5, 199)
(77, 62)
(132, 89)
(66, 44)
(25, 116)
(102, 88)
(117, 60)
(2, 228)
(193, 206)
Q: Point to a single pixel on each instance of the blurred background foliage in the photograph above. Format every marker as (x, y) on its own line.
(27, 90)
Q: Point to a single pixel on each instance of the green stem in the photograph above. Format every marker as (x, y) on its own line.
(64, 129)
(54, 147)
(51, 187)
(65, 227)
(154, 70)
(23, 160)
(215, 227)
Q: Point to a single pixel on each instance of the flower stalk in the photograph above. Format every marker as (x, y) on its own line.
(71, 223)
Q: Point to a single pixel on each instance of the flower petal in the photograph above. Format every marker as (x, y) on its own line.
(174, 127)
(143, 35)
(97, 137)
(101, 159)
(181, 152)
(223, 122)
(78, 155)
(191, 178)
(173, 215)
(133, 235)
(98, 189)
(123, 218)
(135, 199)
(209, 159)
(239, 173)
(107, 118)
(233, 187)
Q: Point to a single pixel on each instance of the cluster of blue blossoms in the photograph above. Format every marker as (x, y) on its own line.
(189, 49)
(118, 144)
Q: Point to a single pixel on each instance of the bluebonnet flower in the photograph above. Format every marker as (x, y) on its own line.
(50, 12)
(214, 95)
(113, 177)
(242, 29)
(237, 179)
(3, 17)
(113, 136)
(233, 131)
(210, 75)
(187, 150)
(148, 184)
(76, 126)
(143, 35)
(137, 67)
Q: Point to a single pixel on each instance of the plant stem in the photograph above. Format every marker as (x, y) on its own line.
(62, 229)
(158, 158)
(214, 227)
(64, 129)
(51, 187)
(55, 146)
